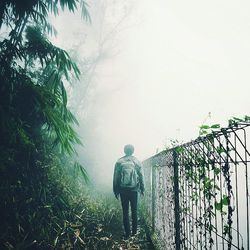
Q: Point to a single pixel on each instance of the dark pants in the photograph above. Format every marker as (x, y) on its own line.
(126, 198)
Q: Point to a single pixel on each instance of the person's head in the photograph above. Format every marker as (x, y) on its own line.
(129, 149)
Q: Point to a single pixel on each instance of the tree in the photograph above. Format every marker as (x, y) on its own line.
(36, 125)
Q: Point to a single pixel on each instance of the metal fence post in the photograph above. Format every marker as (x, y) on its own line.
(153, 197)
(176, 201)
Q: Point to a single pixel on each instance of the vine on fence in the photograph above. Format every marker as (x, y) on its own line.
(199, 167)
(202, 174)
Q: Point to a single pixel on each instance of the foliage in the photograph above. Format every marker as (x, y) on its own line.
(203, 174)
(95, 223)
(44, 201)
(37, 129)
(59, 214)
(206, 181)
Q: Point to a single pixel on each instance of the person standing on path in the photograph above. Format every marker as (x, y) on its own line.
(127, 182)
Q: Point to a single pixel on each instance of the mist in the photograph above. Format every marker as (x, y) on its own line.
(154, 71)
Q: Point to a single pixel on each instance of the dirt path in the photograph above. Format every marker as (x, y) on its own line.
(96, 224)
(111, 231)
(140, 241)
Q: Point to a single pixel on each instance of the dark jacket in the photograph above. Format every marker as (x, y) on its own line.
(117, 176)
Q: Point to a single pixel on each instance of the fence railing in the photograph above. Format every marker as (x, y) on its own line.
(197, 194)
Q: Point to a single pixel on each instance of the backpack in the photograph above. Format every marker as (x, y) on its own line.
(129, 176)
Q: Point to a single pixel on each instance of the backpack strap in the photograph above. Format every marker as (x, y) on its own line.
(134, 164)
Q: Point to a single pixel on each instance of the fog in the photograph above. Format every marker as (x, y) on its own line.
(154, 71)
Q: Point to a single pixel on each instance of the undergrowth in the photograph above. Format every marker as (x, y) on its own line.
(58, 211)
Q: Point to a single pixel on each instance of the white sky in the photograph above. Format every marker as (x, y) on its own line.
(173, 63)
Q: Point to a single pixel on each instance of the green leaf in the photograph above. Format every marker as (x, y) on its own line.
(247, 118)
(215, 126)
(226, 229)
(179, 149)
(220, 150)
(204, 126)
(80, 169)
(217, 171)
(225, 200)
(238, 119)
(203, 132)
(218, 206)
(64, 94)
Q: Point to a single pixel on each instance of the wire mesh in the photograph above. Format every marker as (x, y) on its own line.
(197, 194)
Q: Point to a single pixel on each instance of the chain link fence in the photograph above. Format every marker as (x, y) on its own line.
(197, 194)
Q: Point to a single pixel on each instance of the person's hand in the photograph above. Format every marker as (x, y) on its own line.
(117, 196)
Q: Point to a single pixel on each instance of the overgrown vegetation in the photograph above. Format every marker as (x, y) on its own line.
(37, 129)
(204, 181)
(207, 175)
(45, 202)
